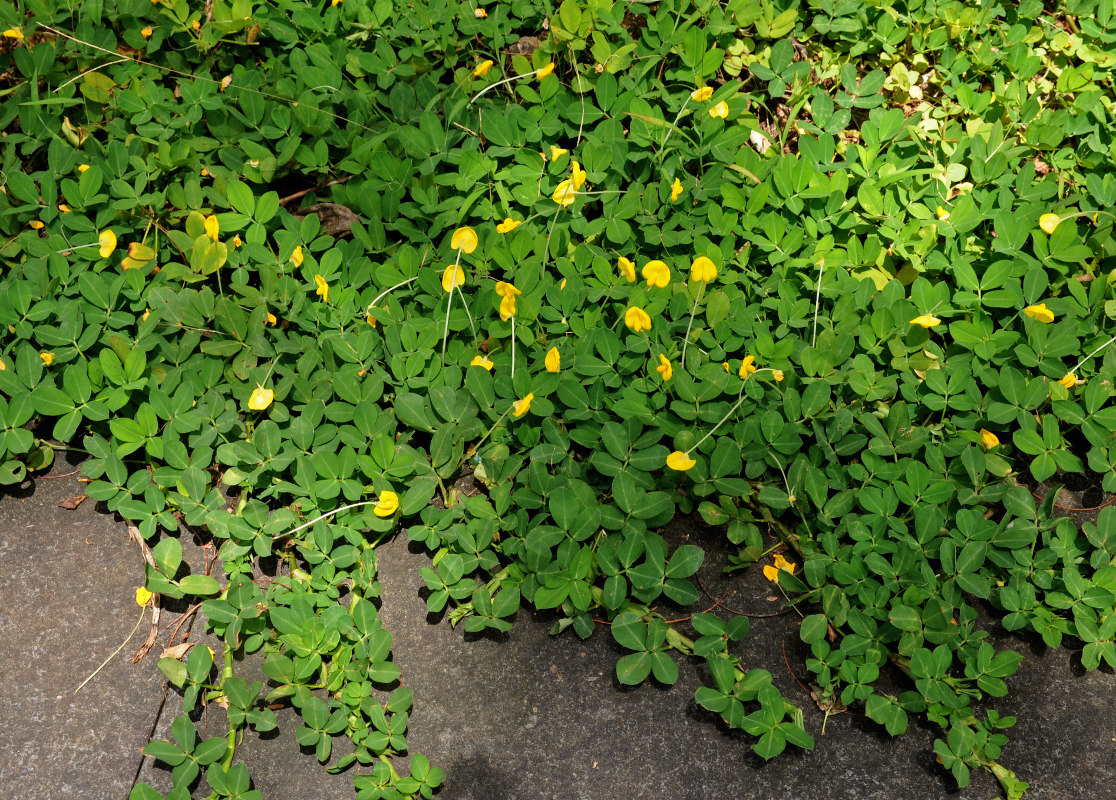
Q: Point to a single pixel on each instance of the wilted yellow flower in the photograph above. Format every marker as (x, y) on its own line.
(482, 361)
(196, 25)
(261, 398)
(387, 504)
(323, 288)
(721, 110)
(926, 321)
(562, 285)
(36, 225)
(107, 240)
(627, 269)
(146, 314)
(565, 194)
(212, 228)
(146, 32)
(636, 319)
(479, 13)
(679, 461)
(557, 152)
(521, 407)
(82, 167)
(143, 597)
(747, 367)
(702, 270)
(225, 82)
(781, 565)
(702, 94)
(483, 68)
(13, 33)
(65, 209)
(725, 364)
(1049, 222)
(296, 256)
(988, 439)
(553, 360)
(464, 239)
(48, 358)
(665, 369)
(508, 225)
(204, 172)
(3, 366)
(370, 318)
(236, 241)
(1069, 380)
(675, 190)
(777, 374)
(507, 308)
(452, 276)
(942, 213)
(657, 273)
(1039, 312)
(542, 72)
(270, 319)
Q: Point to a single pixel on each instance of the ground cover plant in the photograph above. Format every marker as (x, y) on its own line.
(523, 282)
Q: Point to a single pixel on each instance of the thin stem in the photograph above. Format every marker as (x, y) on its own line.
(690, 324)
(389, 290)
(1082, 361)
(490, 87)
(513, 346)
(817, 302)
(673, 125)
(115, 652)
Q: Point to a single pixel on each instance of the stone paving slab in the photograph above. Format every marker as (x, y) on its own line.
(522, 715)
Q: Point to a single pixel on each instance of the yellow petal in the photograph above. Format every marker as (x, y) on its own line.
(107, 240)
(13, 33)
(777, 374)
(261, 398)
(479, 13)
(565, 194)
(721, 110)
(637, 319)
(557, 152)
(482, 361)
(1049, 222)
(926, 321)
(505, 289)
(553, 360)
(296, 256)
(146, 32)
(48, 358)
(507, 307)
(577, 176)
(212, 228)
(387, 504)
(225, 81)
(747, 367)
(627, 269)
(702, 94)
(675, 190)
(1069, 380)
(679, 461)
(1040, 313)
(942, 213)
(521, 407)
(452, 277)
(82, 167)
(508, 225)
(665, 368)
(988, 439)
(36, 225)
(464, 239)
(657, 273)
(702, 270)
(544, 71)
(323, 288)
(143, 597)
(483, 68)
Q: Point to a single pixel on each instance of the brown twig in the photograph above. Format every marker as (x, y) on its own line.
(156, 605)
(63, 475)
(297, 195)
(719, 604)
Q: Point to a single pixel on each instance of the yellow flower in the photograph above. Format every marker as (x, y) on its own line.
(48, 358)
(542, 72)
(196, 25)
(1049, 222)
(1069, 380)
(508, 225)
(505, 289)
(942, 213)
(204, 172)
(636, 319)
(988, 439)
(507, 307)
(702, 94)
(452, 276)
(236, 241)
(747, 367)
(82, 167)
(334, 3)
(225, 82)
(719, 110)
(627, 269)
(36, 225)
(926, 321)
(479, 13)
(323, 288)
(482, 361)
(146, 314)
(777, 374)
(557, 152)
(702, 270)
(261, 398)
(680, 461)
(553, 360)
(675, 190)
(781, 565)
(725, 364)
(562, 285)
(387, 504)
(565, 194)
(296, 256)
(107, 240)
(656, 273)
(212, 228)
(665, 369)
(13, 33)
(143, 597)
(521, 407)
(1039, 312)
(577, 176)
(271, 319)
(483, 68)
(370, 318)
(464, 239)
(65, 209)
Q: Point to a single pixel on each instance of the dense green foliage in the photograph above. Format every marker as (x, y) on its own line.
(889, 351)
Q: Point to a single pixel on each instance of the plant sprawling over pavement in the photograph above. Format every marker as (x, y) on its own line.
(528, 281)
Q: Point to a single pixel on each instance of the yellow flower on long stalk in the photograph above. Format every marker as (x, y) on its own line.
(1049, 223)
(323, 288)
(521, 407)
(702, 94)
(565, 193)
(703, 270)
(637, 319)
(296, 256)
(1069, 380)
(665, 369)
(771, 572)
(675, 190)
(988, 439)
(679, 461)
(557, 152)
(482, 361)
(720, 110)
(656, 273)
(545, 70)
(482, 68)
(747, 367)
(627, 269)
(107, 240)
(508, 225)
(507, 294)
(212, 227)
(464, 238)
(452, 277)
(926, 321)
(387, 504)
(577, 176)
(1039, 313)
(48, 358)
(261, 398)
